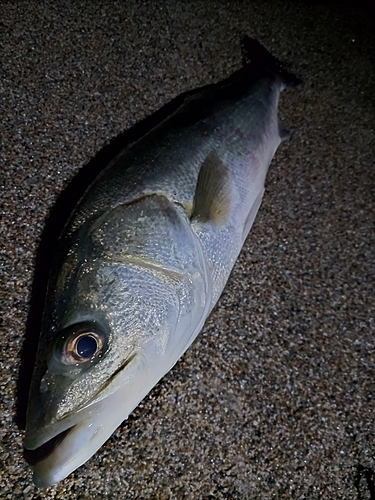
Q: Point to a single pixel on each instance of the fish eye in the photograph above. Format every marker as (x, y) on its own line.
(87, 346)
(83, 344)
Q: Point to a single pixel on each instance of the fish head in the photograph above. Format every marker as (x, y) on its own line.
(104, 344)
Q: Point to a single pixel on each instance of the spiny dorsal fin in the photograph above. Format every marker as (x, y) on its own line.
(212, 194)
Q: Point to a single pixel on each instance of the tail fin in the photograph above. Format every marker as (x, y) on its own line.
(254, 53)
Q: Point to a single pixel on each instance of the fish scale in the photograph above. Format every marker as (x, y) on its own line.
(144, 258)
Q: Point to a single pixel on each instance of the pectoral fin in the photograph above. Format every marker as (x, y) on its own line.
(212, 194)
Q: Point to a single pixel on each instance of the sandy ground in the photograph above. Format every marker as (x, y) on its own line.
(276, 398)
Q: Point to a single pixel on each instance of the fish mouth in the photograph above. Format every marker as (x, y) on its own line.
(32, 457)
(59, 448)
(58, 457)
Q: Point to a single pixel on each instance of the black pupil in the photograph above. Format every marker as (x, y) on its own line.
(87, 346)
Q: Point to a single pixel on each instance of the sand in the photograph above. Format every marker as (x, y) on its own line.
(276, 397)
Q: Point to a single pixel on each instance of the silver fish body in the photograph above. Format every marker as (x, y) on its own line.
(145, 257)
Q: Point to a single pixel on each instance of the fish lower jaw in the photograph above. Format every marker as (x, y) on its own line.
(50, 460)
(67, 444)
(56, 458)
(39, 454)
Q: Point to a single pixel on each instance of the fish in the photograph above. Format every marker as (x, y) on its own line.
(145, 256)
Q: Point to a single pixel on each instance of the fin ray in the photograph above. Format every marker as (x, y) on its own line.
(212, 194)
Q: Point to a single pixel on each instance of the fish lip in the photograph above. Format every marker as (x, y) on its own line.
(65, 451)
(48, 467)
(36, 455)
(32, 443)
(72, 440)
(41, 434)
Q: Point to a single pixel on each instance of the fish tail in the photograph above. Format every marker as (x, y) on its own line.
(253, 53)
